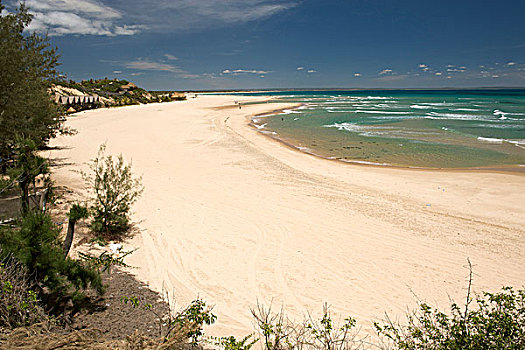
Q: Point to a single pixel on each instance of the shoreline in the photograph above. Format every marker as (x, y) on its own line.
(514, 169)
(233, 218)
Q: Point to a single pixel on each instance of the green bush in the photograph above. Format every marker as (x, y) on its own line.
(35, 243)
(496, 322)
(197, 314)
(115, 190)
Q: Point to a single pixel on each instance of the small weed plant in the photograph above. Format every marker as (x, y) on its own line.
(231, 343)
(106, 260)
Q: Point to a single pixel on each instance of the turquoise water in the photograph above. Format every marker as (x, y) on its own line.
(438, 129)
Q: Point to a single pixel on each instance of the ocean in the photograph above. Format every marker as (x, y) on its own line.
(407, 128)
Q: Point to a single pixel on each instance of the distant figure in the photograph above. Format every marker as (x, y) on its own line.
(239, 105)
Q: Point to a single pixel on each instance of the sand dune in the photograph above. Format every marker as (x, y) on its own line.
(234, 217)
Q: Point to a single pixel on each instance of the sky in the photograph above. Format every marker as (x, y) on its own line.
(265, 44)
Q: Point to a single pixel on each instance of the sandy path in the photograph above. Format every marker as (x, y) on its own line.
(234, 217)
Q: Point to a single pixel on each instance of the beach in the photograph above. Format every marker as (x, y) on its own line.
(231, 216)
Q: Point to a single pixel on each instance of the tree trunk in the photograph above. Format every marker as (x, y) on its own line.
(24, 186)
(43, 200)
(69, 236)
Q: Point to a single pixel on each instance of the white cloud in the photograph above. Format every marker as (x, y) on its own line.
(128, 17)
(357, 74)
(386, 71)
(89, 7)
(511, 63)
(495, 76)
(422, 66)
(170, 57)
(300, 68)
(91, 17)
(438, 73)
(61, 23)
(244, 71)
(150, 65)
(128, 30)
(311, 71)
(117, 72)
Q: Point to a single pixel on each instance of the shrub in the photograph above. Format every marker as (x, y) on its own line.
(115, 190)
(36, 245)
(325, 334)
(497, 322)
(196, 314)
(185, 325)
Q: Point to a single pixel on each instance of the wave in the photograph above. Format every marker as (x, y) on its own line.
(501, 126)
(519, 142)
(365, 162)
(490, 140)
(290, 111)
(383, 131)
(503, 114)
(465, 109)
(435, 115)
(381, 112)
(421, 107)
(441, 104)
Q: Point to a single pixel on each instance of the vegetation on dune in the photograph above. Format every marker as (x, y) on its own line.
(116, 92)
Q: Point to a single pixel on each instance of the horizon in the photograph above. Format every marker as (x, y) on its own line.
(275, 44)
(343, 89)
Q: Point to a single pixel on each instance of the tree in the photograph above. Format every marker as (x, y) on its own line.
(115, 190)
(27, 63)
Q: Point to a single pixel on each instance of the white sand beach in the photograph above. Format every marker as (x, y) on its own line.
(234, 217)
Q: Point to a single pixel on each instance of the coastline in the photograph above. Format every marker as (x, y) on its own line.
(517, 169)
(359, 237)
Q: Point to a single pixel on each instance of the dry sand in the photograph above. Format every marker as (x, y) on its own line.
(234, 217)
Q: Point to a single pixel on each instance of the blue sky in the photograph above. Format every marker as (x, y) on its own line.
(243, 44)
